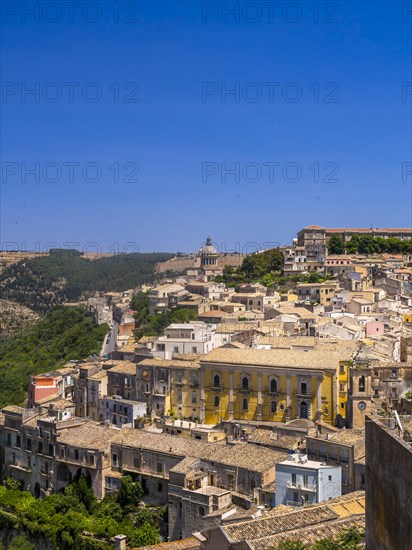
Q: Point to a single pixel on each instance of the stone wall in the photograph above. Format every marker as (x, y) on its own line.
(388, 489)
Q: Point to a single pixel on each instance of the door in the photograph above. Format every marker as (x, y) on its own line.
(303, 409)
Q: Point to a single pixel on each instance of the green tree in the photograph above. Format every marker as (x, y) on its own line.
(130, 493)
(326, 544)
(182, 315)
(146, 535)
(21, 542)
(336, 245)
(290, 545)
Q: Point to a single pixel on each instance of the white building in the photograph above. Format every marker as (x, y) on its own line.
(300, 481)
(195, 337)
(159, 297)
(120, 411)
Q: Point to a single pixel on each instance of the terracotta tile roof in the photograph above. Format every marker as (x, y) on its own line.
(90, 435)
(309, 535)
(305, 524)
(186, 544)
(316, 359)
(243, 455)
(266, 526)
(123, 367)
(368, 230)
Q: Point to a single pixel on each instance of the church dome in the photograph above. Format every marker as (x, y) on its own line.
(208, 248)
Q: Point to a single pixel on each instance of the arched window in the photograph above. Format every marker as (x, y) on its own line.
(217, 401)
(273, 385)
(361, 383)
(201, 511)
(194, 397)
(179, 396)
(216, 381)
(245, 405)
(273, 406)
(245, 383)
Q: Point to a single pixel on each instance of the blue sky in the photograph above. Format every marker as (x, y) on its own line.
(150, 150)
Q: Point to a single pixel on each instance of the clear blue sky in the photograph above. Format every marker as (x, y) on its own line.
(181, 141)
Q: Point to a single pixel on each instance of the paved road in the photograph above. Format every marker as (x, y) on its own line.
(109, 344)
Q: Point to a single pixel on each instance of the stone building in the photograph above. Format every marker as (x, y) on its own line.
(274, 385)
(29, 438)
(343, 448)
(85, 450)
(121, 380)
(307, 524)
(388, 484)
(376, 386)
(89, 387)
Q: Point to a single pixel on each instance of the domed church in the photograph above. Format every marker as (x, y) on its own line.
(208, 254)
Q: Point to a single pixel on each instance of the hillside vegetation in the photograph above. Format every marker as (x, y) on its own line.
(75, 519)
(64, 334)
(65, 275)
(14, 318)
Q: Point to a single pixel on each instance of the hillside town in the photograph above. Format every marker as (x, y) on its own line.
(261, 413)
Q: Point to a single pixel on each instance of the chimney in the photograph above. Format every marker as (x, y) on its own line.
(120, 542)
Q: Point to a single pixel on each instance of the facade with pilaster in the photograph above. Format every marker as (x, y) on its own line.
(274, 385)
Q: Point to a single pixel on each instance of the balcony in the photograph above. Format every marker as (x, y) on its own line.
(301, 486)
(244, 391)
(304, 395)
(20, 467)
(296, 504)
(194, 385)
(217, 388)
(276, 393)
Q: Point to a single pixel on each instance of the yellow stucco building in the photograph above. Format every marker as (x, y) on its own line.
(274, 385)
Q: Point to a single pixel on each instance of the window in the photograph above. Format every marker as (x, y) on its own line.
(245, 404)
(176, 349)
(230, 482)
(91, 460)
(216, 381)
(159, 468)
(76, 454)
(217, 401)
(9, 439)
(342, 369)
(305, 480)
(179, 377)
(303, 388)
(136, 462)
(179, 396)
(329, 478)
(114, 459)
(201, 511)
(51, 450)
(194, 397)
(18, 441)
(62, 452)
(294, 479)
(361, 383)
(273, 385)
(160, 487)
(194, 349)
(273, 407)
(40, 447)
(245, 383)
